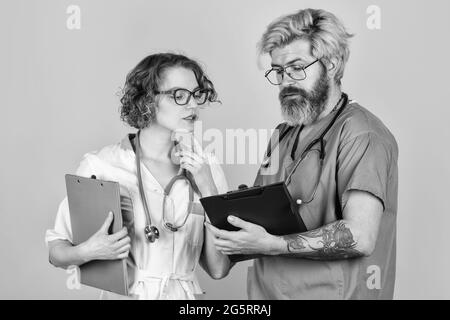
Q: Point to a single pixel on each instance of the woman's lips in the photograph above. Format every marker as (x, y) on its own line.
(192, 117)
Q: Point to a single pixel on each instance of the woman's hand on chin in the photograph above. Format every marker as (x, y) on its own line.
(197, 165)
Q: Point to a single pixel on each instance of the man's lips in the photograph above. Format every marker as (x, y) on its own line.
(289, 95)
(291, 92)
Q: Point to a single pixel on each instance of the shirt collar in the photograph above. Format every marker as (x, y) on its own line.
(125, 144)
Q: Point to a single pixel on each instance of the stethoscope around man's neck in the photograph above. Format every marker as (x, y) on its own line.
(266, 161)
(151, 231)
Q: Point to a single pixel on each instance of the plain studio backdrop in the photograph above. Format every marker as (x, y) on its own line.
(59, 100)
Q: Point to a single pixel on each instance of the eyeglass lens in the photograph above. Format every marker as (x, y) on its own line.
(182, 96)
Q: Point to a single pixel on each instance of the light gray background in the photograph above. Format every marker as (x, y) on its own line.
(58, 101)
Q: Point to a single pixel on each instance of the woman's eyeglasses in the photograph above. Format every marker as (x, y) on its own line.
(183, 96)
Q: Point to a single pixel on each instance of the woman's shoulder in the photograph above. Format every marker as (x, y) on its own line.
(116, 154)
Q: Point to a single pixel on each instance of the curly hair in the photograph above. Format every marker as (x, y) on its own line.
(137, 103)
(326, 33)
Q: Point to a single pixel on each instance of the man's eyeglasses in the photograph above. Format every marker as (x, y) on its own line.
(183, 96)
(296, 72)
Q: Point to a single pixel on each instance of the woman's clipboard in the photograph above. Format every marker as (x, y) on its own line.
(269, 206)
(90, 200)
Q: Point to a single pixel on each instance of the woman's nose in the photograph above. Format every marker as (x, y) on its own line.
(192, 103)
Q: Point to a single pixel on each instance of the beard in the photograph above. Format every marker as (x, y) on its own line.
(299, 106)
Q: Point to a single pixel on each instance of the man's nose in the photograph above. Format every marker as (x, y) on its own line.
(286, 81)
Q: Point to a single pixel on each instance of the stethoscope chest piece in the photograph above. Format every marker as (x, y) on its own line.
(151, 233)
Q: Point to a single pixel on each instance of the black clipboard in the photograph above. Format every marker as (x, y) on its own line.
(90, 200)
(269, 206)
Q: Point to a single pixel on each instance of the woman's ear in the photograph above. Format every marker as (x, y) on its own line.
(150, 110)
(153, 107)
(155, 103)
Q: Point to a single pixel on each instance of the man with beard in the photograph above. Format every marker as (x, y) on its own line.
(338, 160)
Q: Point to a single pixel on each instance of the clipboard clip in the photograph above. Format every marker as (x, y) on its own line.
(243, 192)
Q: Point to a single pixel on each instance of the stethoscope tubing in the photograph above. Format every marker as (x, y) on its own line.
(310, 145)
(151, 232)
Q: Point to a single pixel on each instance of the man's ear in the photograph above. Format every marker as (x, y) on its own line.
(332, 67)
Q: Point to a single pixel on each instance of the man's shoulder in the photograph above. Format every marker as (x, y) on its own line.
(282, 128)
(358, 121)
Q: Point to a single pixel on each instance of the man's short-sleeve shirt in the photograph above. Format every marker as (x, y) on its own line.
(360, 154)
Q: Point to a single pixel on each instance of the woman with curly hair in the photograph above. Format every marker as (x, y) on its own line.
(163, 239)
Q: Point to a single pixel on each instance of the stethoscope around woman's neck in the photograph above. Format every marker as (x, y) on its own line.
(151, 231)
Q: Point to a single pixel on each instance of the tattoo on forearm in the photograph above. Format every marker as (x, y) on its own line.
(333, 241)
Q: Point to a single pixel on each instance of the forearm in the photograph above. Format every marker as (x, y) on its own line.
(337, 240)
(207, 189)
(216, 264)
(63, 254)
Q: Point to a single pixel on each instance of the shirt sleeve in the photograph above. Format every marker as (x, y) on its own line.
(363, 164)
(62, 229)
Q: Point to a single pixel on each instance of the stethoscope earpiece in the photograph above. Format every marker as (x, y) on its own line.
(151, 233)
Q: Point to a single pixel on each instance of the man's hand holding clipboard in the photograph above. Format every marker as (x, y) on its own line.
(244, 221)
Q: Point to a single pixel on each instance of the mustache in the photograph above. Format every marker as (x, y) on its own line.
(288, 91)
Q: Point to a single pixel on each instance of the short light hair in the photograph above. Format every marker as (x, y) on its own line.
(326, 33)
